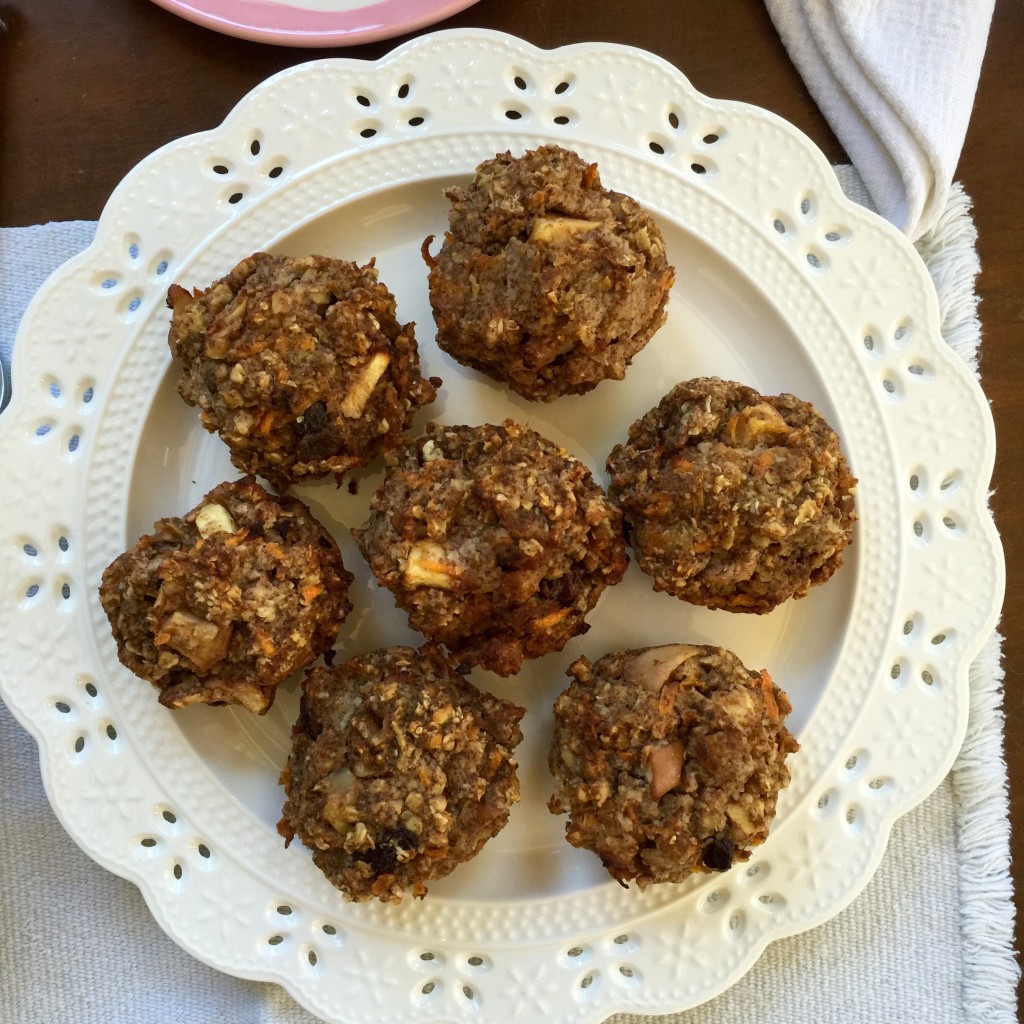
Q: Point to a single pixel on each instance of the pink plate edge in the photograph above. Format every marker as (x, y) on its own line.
(287, 25)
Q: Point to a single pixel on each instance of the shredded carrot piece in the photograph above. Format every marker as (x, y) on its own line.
(551, 619)
(238, 354)
(436, 565)
(431, 261)
(769, 695)
(266, 644)
(310, 592)
(273, 548)
(667, 698)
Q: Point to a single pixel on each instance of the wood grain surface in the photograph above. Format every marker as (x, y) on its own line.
(90, 87)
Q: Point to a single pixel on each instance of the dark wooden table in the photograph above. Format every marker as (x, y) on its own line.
(90, 87)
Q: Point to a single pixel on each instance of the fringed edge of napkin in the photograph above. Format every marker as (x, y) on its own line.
(948, 251)
(979, 775)
(991, 971)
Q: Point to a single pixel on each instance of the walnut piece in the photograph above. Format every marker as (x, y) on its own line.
(650, 669)
(203, 643)
(757, 424)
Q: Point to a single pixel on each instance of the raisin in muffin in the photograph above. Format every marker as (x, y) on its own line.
(400, 770)
(495, 541)
(220, 605)
(732, 499)
(300, 365)
(546, 280)
(669, 760)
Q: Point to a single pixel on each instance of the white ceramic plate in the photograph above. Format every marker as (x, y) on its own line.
(781, 283)
(315, 22)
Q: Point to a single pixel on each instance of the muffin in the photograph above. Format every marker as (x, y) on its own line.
(546, 281)
(299, 364)
(400, 770)
(731, 499)
(495, 541)
(220, 605)
(669, 760)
